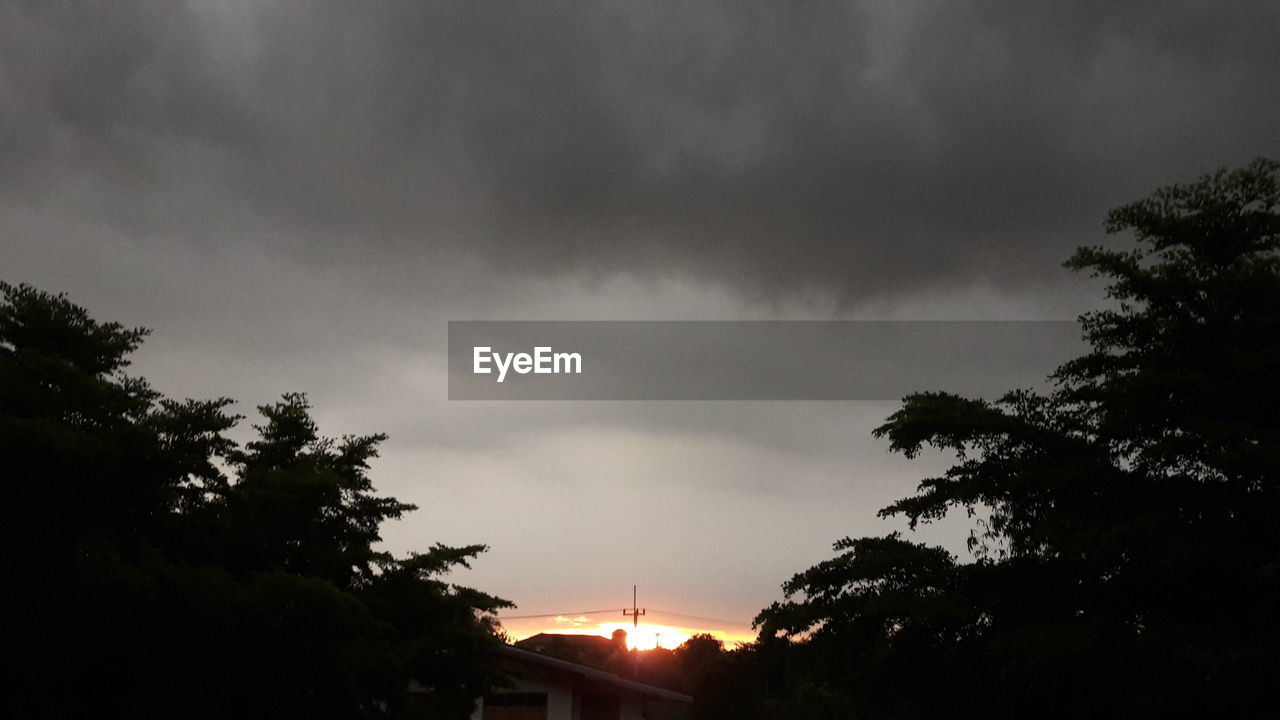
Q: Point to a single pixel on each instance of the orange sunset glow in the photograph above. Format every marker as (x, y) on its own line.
(646, 636)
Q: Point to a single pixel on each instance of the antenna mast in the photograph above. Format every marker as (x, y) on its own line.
(634, 613)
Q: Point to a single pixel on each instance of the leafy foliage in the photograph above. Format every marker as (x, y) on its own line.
(158, 569)
(1128, 563)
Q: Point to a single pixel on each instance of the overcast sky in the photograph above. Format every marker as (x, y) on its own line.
(300, 199)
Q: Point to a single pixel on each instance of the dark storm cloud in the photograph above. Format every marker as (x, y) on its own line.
(859, 149)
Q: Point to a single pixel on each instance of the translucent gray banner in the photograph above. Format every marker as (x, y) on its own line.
(753, 360)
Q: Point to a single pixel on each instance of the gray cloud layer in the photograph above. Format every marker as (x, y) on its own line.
(861, 149)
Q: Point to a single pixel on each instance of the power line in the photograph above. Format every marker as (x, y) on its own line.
(722, 621)
(558, 614)
(656, 611)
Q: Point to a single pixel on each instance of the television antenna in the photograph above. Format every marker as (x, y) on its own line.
(635, 612)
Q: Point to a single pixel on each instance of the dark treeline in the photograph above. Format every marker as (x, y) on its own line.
(1126, 523)
(156, 569)
(1126, 530)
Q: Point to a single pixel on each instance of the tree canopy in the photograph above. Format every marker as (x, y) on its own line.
(1127, 561)
(157, 568)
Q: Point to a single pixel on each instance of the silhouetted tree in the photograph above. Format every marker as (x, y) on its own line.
(725, 684)
(156, 569)
(1128, 561)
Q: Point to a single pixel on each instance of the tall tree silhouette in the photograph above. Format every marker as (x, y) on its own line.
(157, 569)
(1129, 556)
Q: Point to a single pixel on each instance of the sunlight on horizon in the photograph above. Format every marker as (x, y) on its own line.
(647, 636)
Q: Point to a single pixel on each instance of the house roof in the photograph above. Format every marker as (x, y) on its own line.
(531, 658)
(591, 641)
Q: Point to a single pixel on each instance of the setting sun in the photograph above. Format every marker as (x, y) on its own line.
(649, 636)
(646, 637)
(667, 630)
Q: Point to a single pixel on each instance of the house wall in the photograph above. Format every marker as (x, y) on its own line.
(559, 698)
(571, 697)
(596, 706)
(620, 706)
(632, 707)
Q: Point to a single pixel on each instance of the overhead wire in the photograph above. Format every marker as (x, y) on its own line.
(559, 614)
(655, 611)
